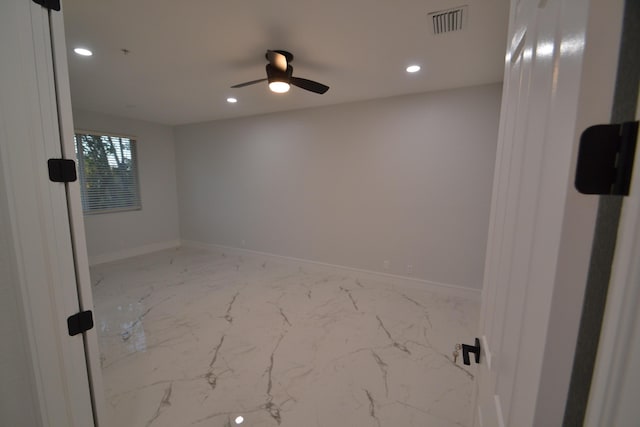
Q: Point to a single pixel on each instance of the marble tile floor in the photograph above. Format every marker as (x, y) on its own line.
(193, 337)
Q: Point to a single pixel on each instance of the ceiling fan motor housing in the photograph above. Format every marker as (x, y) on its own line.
(277, 75)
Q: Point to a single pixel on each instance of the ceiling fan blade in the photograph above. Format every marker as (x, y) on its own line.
(252, 82)
(309, 85)
(277, 59)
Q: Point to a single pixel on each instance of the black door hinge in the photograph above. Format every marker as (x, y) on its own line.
(605, 159)
(49, 4)
(62, 170)
(80, 322)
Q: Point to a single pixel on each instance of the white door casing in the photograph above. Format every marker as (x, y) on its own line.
(616, 378)
(76, 218)
(541, 229)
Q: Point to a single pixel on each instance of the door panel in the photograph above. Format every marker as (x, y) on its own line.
(534, 206)
(503, 227)
(37, 212)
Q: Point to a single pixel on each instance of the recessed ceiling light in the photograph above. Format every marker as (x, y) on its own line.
(232, 100)
(82, 51)
(413, 68)
(239, 420)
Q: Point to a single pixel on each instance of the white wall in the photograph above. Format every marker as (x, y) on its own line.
(405, 179)
(121, 234)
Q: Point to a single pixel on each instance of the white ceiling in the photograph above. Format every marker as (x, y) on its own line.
(185, 55)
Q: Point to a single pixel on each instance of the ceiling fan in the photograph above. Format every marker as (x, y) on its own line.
(279, 75)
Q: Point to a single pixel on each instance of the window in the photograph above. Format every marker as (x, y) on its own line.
(108, 170)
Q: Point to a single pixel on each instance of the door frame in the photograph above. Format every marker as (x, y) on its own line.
(76, 218)
(614, 385)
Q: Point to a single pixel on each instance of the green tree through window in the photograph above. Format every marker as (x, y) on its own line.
(107, 166)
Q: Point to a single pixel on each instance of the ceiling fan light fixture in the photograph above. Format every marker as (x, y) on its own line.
(279, 87)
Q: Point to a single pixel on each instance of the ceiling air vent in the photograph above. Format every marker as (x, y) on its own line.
(447, 21)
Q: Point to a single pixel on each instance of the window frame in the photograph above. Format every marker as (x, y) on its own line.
(80, 168)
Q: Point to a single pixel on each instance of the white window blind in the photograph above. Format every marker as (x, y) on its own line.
(108, 172)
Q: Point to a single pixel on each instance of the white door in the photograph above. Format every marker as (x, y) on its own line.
(559, 78)
(39, 246)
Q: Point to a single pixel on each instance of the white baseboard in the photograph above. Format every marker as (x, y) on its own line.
(403, 280)
(131, 252)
